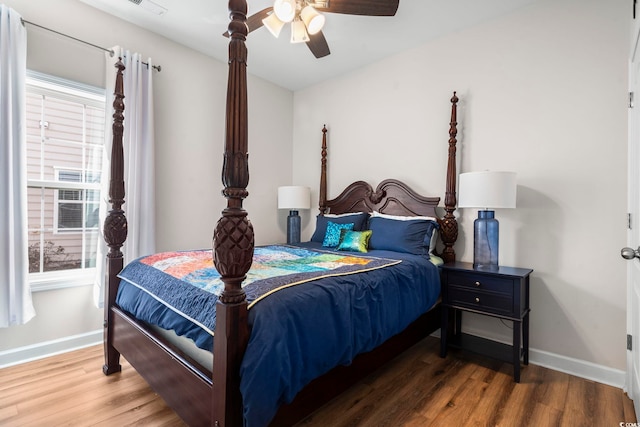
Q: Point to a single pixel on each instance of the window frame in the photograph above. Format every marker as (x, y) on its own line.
(63, 89)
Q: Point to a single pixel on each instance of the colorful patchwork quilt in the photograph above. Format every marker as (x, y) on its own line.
(186, 280)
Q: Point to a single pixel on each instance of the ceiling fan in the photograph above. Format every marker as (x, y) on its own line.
(307, 21)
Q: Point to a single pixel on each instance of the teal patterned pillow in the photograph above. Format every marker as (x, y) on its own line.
(356, 241)
(332, 236)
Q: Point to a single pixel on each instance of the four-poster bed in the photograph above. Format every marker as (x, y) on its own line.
(205, 395)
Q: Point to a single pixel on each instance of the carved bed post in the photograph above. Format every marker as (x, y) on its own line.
(323, 173)
(115, 224)
(233, 239)
(449, 225)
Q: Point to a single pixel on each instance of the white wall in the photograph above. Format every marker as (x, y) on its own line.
(542, 92)
(190, 99)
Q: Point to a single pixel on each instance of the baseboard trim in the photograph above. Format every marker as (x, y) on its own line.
(16, 356)
(579, 368)
(569, 365)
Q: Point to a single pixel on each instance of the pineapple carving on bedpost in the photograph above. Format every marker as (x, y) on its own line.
(449, 224)
(233, 239)
(115, 224)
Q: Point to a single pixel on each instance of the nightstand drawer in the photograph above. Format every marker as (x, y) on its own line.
(486, 301)
(481, 282)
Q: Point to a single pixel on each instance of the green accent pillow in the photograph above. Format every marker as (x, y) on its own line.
(356, 241)
(332, 236)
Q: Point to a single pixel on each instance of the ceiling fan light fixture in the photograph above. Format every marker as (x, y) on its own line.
(299, 32)
(285, 10)
(312, 19)
(273, 24)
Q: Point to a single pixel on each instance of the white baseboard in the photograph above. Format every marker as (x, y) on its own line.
(41, 350)
(579, 368)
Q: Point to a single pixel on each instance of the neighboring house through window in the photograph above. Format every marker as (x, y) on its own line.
(76, 210)
(65, 141)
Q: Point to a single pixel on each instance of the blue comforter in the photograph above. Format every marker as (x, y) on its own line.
(301, 332)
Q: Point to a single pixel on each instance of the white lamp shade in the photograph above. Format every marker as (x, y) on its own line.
(285, 9)
(299, 32)
(294, 197)
(312, 19)
(487, 190)
(273, 24)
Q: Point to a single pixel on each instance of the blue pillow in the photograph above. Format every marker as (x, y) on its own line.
(332, 236)
(411, 237)
(359, 220)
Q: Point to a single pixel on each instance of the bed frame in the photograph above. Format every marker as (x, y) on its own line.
(182, 382)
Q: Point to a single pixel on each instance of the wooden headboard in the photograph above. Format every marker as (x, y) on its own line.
(390, 196)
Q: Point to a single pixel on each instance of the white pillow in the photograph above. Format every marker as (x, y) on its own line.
(433, 242)
(402, 217)
(330, 215)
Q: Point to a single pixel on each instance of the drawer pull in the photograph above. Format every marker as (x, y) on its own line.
(478, 284)
(478, 300)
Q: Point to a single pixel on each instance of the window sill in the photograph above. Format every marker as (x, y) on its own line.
(61, 279)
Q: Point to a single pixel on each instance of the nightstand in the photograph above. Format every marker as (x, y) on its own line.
(501, 293)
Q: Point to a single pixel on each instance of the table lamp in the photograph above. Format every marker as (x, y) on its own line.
(486, 190)
(294, 198)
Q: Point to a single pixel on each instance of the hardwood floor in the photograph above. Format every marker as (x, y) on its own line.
(70, 390)
(416, 389)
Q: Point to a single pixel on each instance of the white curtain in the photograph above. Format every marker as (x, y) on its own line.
(16, 306)
(139, 169)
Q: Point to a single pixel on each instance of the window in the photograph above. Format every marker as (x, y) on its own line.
(77, 207)
(65, 141)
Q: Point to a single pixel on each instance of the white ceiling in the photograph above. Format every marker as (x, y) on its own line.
(354, 41)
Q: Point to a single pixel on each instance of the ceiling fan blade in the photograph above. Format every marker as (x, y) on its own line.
(359, 7)
(255, 21)
(318, 45)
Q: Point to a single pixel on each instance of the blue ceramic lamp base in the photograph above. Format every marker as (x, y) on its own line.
(485, 241)
(293, 227)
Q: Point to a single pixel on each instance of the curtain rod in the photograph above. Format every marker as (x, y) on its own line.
(111, 52)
